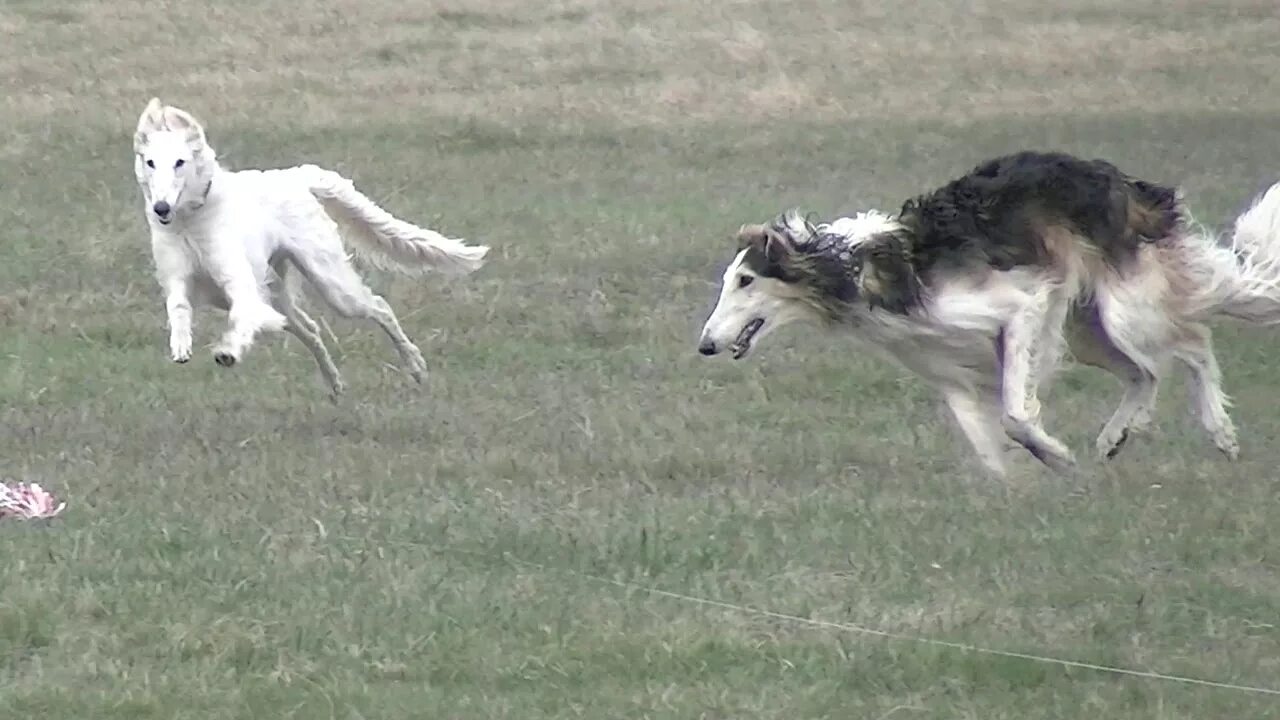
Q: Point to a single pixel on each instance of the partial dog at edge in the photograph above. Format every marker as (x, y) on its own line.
(981, 286)
(230, 239)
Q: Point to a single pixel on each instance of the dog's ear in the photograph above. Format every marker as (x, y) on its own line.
(885, 276)
(767, 249)
(182, 121)
(777, 247)
(772, 244)
(151, 120)
(749, 235)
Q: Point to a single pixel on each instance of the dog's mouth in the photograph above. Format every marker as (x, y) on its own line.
(740, 346)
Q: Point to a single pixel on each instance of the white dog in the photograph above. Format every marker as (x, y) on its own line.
(228, 239)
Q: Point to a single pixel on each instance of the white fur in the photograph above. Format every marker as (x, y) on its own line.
(765, 298)
(230, 239)
(1151, 315)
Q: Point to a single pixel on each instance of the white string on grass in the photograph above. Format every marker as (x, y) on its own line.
(847, 627)
(850, 628)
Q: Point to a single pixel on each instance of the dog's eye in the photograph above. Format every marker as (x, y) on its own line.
(179, 164)
(151, 164)
(745, 280)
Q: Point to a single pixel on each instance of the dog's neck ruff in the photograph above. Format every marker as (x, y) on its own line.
(833, 241)
(840, 239)
(834, 245)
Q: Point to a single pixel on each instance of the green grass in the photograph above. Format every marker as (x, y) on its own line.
(235, 546)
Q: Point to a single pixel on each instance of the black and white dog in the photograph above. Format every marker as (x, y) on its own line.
(981, 285)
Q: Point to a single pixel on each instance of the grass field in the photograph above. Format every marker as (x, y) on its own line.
(235, 546)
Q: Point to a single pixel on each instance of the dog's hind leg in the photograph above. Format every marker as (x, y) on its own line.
(343, 288)
(1091, 345)
(1139, 335)
(301, 326)
(1132, 414)
(1204, 387)
(1019, 336)
(980, 423)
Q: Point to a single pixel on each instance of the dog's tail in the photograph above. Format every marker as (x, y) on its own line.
(385, 240)
(1239, 275)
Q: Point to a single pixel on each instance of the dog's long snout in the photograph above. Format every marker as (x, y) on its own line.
(708, 347)
(162, 209)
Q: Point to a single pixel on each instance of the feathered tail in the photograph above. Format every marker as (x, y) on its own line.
(1239, 275)
(385, 240)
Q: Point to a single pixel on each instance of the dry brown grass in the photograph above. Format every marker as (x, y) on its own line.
(646, 64)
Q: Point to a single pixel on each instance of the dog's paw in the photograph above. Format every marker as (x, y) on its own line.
(224, 357)
(1044, 447)
(1227, 444)
(416, 365)
(180, 349)
(273, 321)
(1111, 442)
(1060, 460)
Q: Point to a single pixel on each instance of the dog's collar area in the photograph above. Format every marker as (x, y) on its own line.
(204, 196)
(836, 247)
(830, 243)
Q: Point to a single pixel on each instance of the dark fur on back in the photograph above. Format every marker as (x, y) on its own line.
(1003, 214)
(998, 213)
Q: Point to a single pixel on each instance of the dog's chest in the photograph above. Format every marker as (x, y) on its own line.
(205, 265)
(198, 249)
(942, 356)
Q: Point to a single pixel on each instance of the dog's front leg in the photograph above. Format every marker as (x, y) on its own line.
(248, 316)
(177, 304)
(1020, 335)
(248, 313)
(1047, 352)
(174, 268)
(979, 420)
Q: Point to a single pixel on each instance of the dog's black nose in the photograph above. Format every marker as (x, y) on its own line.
(707, 347)
(162, 209)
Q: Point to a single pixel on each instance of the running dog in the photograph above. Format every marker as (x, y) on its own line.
(981, 286)
(229, 239)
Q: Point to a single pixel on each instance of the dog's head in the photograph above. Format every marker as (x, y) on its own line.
(172, 160)
(792, 270)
